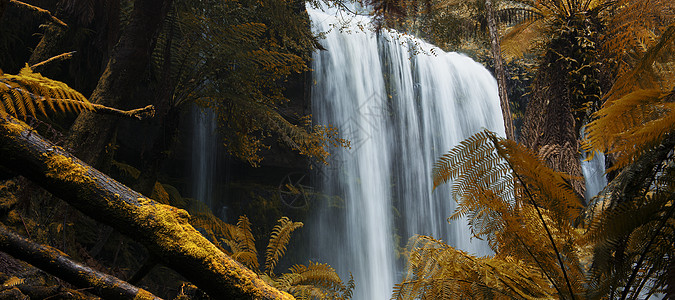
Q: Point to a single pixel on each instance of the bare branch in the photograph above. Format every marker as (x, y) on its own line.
(60, 57)
(61, 265)
(42, 12)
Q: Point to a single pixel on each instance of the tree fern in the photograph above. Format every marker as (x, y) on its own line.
(518, 204)
(638, 111)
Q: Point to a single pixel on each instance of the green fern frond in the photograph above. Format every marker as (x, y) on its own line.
(279, 238)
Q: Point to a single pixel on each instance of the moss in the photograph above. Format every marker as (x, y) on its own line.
(178, 235)
(64, 168)
(13, 126)
(7, 195)
(143, 295)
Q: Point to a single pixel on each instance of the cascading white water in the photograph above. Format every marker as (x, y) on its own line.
(594, 173)
(401, 112)
(204, 156)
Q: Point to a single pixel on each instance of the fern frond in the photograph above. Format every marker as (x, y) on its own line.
(633, 28)
(279, 238)
(318, 274)
(631, 125)
(522, 38)
(654, 70)
(13, 281)
(553, 190)
(631, 235)
(246, 244)
(507, 193)
(159, 194)
(438, 271)
(27, 93)
(483, 166)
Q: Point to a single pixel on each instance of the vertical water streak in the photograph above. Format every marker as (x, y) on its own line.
(401, 112)
(593, 171)
(204, 155)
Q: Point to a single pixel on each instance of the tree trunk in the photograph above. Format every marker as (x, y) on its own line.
(499, 70)
(91, 133)
(163, 229)
(59, 264)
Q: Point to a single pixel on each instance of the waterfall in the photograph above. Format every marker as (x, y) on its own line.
(401, 112)
(204, 156)
(593, 171)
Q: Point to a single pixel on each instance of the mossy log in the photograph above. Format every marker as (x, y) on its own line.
(59, 264)
(163, 229)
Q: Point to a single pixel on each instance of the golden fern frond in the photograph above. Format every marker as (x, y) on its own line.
(438, 271)
(318, 274)
(27, 93)
(633, 28)
(485, 169)
(246, 244)
(159, 194)
(631, 125)
(550, 188)
(522, 38)
(463, 157)
(279, 238)
(617, 222)
(278, 62)
(348, 289)
(525, 238)
(655, 70)
(314, 281)
(213, 227)
(510, 194)
(248, 259)
(308, 141)
(309, 292)
(13, 281)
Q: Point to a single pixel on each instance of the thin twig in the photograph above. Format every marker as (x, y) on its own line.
(40, 11)
(60, 57)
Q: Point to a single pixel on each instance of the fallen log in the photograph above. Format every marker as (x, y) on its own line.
(164, 230)
(61, 265)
